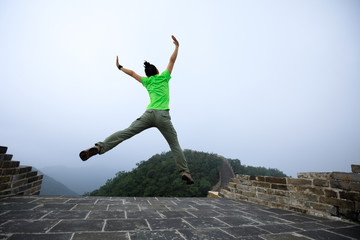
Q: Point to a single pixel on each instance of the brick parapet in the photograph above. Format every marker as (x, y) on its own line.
(16, 179)
(322, 194)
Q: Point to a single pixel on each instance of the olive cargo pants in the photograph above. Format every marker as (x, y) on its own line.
(151, 118)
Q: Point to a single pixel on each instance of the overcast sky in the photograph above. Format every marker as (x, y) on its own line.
(272, 83)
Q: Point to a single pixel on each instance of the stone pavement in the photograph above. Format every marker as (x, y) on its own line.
(112, 218)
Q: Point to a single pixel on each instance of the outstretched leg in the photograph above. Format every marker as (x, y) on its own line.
(139, 125)
(164, 124)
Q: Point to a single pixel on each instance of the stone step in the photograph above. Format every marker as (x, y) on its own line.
(15, 170)
(3, 149)
(9, 164)
(5, 157)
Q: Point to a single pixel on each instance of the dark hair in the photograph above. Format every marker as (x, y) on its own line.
(150, 70)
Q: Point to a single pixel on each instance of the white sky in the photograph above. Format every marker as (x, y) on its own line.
(272, 83)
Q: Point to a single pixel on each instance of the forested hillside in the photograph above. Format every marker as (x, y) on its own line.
(255, 171)
(157, 177)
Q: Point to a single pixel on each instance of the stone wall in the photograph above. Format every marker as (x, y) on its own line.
(327, 194)
(16, 179)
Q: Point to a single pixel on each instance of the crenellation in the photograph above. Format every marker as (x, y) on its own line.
(328, 194)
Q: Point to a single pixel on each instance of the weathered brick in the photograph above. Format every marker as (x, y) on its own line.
(3, 149)
(19, 183)
(275, 180)
(355, 187)
(18, 177)
(278, 192)
(331, 193)
(24, 169)
(248, 194)
(357, 207)
(230, 189)
(313, 190)
(235, 180)
(6, 192)
(4, 186)
(243, 177)
(9, 164)
(261, 184)
(340, 184)
(31, 174)
(243, 187)
(245, 182)
(322, 207)
(37, 183)
(352, 196)
(240, 197)
(321, 182)
(24, 187)
(348, 213)
(232, 185)
(290, 201)
(295, 181)
(32, 190)
(34, 178)
(324, 175)
(279, 186)
(297, 209)
(353, 177)
(338, 202)
(355, 168)
(8, 171)
(267, 197)
(305, 197)
(5, 157)
(260, 179)
(262, 190)
(4, 179)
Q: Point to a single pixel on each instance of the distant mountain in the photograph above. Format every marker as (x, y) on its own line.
(80, 180)
(50, 186)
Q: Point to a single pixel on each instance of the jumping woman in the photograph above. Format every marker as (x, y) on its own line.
(156, 115)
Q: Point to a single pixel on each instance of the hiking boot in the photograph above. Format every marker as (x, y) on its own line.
(88, 153)
(186, 177)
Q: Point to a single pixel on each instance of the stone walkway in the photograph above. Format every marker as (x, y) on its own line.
(71, 218)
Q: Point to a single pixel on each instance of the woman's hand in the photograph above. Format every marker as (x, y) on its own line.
(175, 40)
(117, 63)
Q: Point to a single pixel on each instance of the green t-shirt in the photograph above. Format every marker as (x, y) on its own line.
(158, 89)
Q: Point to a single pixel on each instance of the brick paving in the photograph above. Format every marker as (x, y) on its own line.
(113, 218)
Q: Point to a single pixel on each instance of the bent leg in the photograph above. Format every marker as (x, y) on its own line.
(166, 128)
(139, 125)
